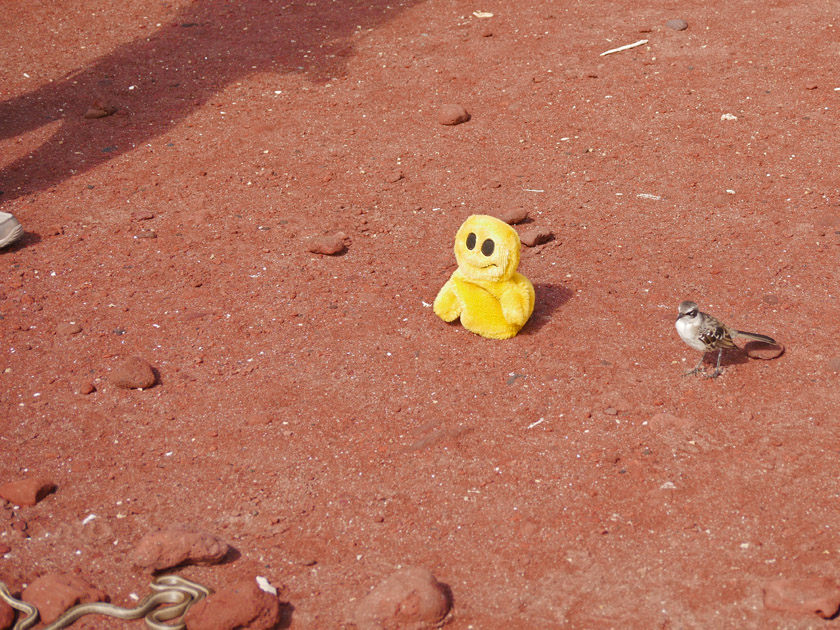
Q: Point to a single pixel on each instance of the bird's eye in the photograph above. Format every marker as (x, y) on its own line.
(487, 247)
(471, 241)
(692, 312)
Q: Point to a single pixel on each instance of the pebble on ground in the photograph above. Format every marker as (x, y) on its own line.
(175, 545)
(133, 373)
(535, 236)
(409, 598)
(452, 114)
(26, 492)
(328, 245)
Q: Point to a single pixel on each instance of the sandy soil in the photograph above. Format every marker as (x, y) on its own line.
(314, 412)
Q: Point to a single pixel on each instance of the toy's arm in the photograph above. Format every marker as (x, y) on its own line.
(447, 306)
(517, 304)
(514, 308)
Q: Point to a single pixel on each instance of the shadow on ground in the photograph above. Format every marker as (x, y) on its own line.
(549, 298)
(158, 81)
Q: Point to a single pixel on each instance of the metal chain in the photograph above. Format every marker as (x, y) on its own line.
(167, 589)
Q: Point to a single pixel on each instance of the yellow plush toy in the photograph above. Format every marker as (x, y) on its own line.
(485, 291)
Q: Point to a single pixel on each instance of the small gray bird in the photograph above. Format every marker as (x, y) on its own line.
(705, 333)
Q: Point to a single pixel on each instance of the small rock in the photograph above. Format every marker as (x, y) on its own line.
(142, 215)
(663, 422)
(146, 234)
(133, 373)
(770, 299)
(535, 236)
(26, 491)
(512, 216)
(329, 245)
(259, 420)
(816, 595)
(394, 177)
(4, 549)
(54, 593)
(677, 25)
(175, 545)
(410, 599)
(7, 616)
(244, 605)
(616, 400)
(305, 560)
(100, 110)
(265, 585)
(86, 388)
(68, 328)
(452, 115)
(766, 351)
(95, 112)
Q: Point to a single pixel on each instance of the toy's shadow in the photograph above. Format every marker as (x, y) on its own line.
(549, 297)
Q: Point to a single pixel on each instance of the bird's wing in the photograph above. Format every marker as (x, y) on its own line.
(715, 335)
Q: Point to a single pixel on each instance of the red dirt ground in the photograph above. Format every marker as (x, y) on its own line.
(313, 411)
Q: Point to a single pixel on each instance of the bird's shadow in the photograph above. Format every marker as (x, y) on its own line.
(738, 355)
(730, 356)
(549, 298)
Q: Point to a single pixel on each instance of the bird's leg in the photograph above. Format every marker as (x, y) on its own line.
(696, 367)
(716, 373)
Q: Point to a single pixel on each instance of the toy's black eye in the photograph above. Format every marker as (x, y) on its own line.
(487, 247)
(471, 241)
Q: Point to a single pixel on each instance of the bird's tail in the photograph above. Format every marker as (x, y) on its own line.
(755, 337)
